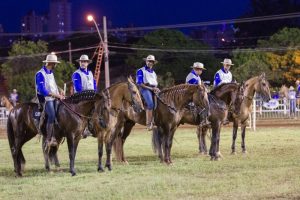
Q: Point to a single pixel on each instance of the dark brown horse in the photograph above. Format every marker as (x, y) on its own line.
(259, 85)
(168, 114)
(221, 99)
(124, 93)
(72, 115)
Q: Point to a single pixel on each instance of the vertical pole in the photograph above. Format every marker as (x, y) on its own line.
(106, 61)
(70, 53)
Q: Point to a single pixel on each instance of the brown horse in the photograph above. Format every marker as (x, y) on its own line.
(258, 84)
(120, 94)
(72, 115)
(221, 99)
(6, 103)
(169, 111)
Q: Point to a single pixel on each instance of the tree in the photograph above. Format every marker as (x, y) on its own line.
(281, 63)
(167, 46)
(27, 57)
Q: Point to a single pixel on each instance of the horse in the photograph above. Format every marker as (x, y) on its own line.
(6, 103)
(71, 118)
(119, 94)
(223, 98)
(258, 84)
(169, 112)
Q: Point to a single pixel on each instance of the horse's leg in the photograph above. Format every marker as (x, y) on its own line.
(218, 154)
(72, 151)
(45, 153)
(243, 127)
(202, 141)
(126, 131)
(169, 144)
(108, 148)
(234, 135)
(100, 154)
(214, 139)
(18, 152)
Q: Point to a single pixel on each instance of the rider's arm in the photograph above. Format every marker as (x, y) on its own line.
(95, 85)
(217, 79)
(40, 84)
(77, 82)
(193, 81)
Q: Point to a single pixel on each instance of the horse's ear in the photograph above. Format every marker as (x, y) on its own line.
(130, 79)
(263, 75)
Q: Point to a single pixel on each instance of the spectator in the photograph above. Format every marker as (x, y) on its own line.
(14, 97)
(292, 99)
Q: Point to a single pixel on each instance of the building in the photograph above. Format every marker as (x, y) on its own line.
(60, 16)
(32, 23)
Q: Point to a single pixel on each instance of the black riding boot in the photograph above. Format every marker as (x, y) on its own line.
(51, 140)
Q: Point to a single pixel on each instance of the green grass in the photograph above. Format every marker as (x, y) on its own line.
(270, 170)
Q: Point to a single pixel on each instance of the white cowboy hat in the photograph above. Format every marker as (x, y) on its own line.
(291, 88)
(150, 58)
(84, 58)
(198, 65)
(14, 90)
(227, 61)
(51, 58)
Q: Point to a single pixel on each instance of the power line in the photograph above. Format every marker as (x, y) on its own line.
(174, 26)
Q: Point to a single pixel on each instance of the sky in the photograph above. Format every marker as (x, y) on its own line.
(124, 12)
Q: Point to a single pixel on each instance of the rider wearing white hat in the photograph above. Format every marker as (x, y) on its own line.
(223, 75)
(147, 80)
(47, 92)
(83, 78)
(194, 76)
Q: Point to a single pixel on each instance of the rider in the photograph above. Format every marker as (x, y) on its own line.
(47, 91)
(194, 78)
(83, 79)
(147, 80)
(223, 75)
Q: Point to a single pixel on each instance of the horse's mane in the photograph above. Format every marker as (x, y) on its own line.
(219, 87)
(177, 91)
(86, 95)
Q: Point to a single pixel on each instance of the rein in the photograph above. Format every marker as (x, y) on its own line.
(73, 111)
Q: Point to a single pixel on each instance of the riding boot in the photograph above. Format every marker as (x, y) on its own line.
(51, 140)
(149, 119)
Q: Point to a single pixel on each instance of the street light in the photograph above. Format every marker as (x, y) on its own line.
(106, 62)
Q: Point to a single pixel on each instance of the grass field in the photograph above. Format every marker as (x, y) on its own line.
(270, 170)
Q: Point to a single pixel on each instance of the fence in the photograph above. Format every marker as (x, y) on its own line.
(3, 116)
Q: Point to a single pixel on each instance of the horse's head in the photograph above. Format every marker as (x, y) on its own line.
(3, 101)
(134, 96)
(102, 107)
(283, 92)
(200, 97)
(262, 87)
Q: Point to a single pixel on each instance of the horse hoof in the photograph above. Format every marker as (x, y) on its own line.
(109, 167)
(244, 152)
(100, 169)
(233, 153)
(125, 162)
(47, 169)
(73, 173)
(19, 175)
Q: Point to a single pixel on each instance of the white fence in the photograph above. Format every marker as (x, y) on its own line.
(3, 116)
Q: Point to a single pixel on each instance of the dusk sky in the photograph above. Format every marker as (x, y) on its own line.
(124, 12)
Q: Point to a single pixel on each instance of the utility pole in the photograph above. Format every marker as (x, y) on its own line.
(70, 53)
(106, 60)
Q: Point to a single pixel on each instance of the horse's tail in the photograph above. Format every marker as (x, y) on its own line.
(10, 134)
(156, 140)
(118, 148)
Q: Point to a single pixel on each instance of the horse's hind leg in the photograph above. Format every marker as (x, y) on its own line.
(201, 133)
(45, 153)
(18, 152)
(127, 129)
